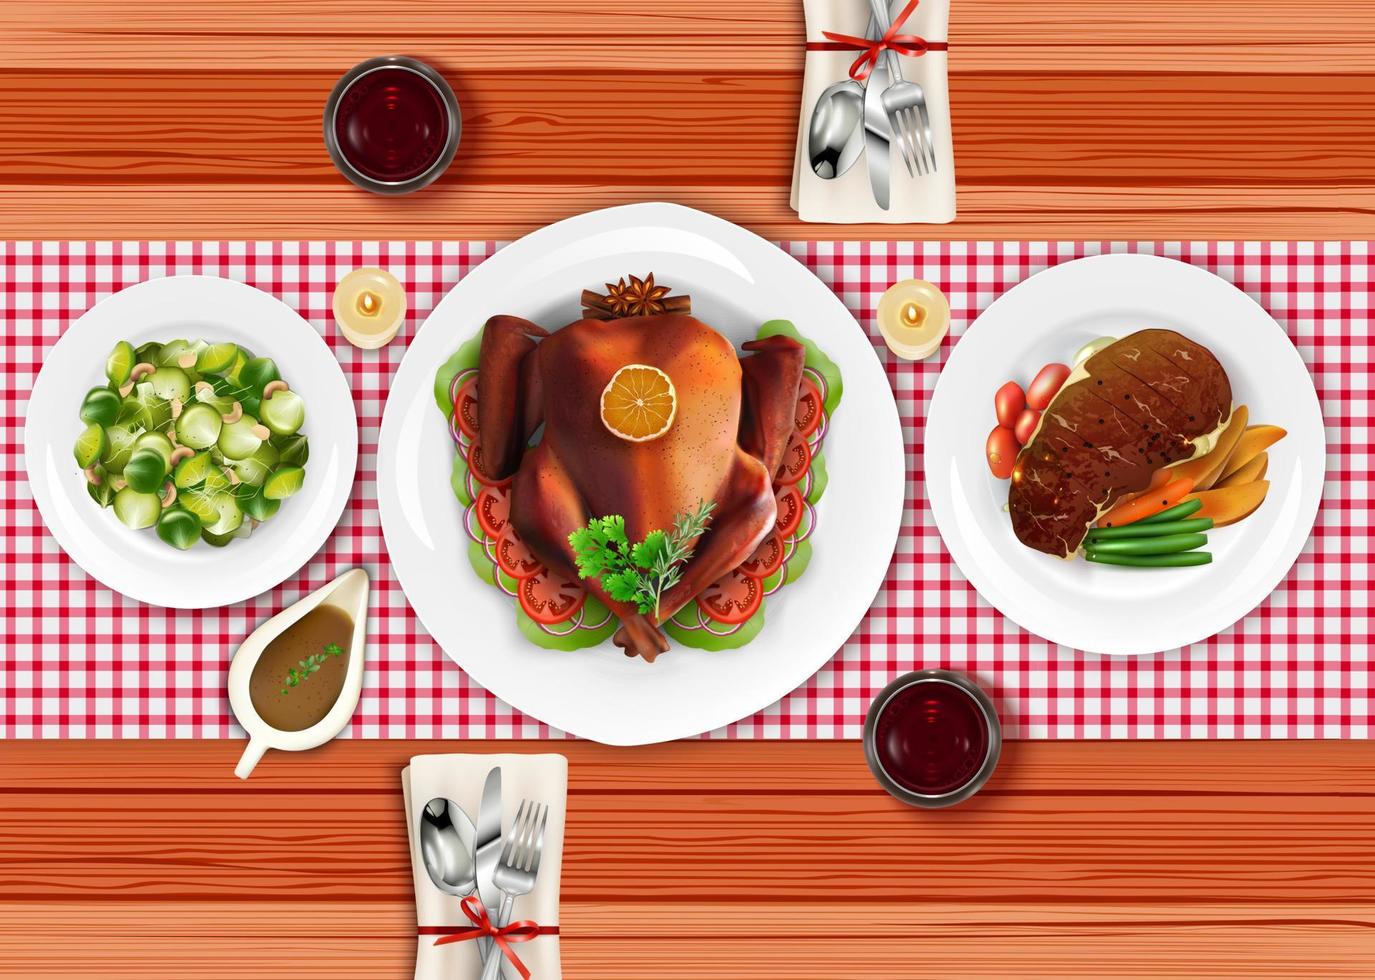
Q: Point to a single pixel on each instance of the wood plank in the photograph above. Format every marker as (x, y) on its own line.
(1331, 36)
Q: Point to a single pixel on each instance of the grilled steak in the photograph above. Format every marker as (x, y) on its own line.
(1143, 402)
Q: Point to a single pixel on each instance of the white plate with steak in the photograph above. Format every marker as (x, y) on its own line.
(1150, 495)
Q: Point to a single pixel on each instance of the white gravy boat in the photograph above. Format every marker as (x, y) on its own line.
(348, 592)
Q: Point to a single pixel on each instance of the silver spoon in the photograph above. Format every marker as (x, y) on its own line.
(446, 845)
(836, 135)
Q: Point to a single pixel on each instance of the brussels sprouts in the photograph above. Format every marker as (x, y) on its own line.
(284, 481)
(175, 352)
(147, 353)
(258, 373)
(228, 515)
(198, 426)
(100, 406)
(179, 528)
(169, 383)
(144, 408)
(200, 503)
(239, 440)
(158, 441)
(293, 449)
(259, 507)
(284, 412)
(145, 470)
(120, 363)
(119, 446)
(90, 445)
(102, 493)
(137, 510)
(255, 469)
(192, 470)
(217, 358)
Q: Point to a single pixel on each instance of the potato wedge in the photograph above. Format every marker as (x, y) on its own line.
(1249, 473)
(1254, 441)
(1205, 470)
(1227, 505)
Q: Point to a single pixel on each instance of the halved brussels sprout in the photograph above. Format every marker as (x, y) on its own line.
(147, 409)
(192, 470)
(120, 363)
(100, 406)
(284, 482)
(256, 468)
(169, 383)
(174, 350)
(147, 353)
(216, 481)
(201, 503)
(208, 394)
(90, 445)
(260, 508)
(198, 426)
(158, 441)
(284, 413)
(228, 514)
(119, 446)
(102, 493)
(179, 528)
(137, 510)
(294, 449)
(238, 440)
(146, 470)
(217, 358)
(258, 373)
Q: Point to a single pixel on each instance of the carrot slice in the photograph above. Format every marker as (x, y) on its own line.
(1147, 505)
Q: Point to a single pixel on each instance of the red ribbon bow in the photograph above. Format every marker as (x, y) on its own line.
(910, 45)
(517, 932)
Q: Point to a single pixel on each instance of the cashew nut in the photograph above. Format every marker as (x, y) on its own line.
(125, 388)
(272, 387)
(176, 407)
(178, 454)
(234, 480)
(171, 434)
(186, 361)
(118, 483)
(140, 371)
(92, 477)
(261, 431)
(233, 415)
(205, 386)
(169, 495)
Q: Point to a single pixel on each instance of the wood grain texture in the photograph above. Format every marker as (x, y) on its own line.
(695, 858)
(1073, 118)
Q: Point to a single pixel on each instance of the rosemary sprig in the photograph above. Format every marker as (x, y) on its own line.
(310, 665)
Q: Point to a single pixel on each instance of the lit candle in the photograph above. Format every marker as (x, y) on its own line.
(914, 317)
(369, 305)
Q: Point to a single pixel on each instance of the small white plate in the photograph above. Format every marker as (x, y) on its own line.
(1106, 609)
(137, 563)
(737, 282)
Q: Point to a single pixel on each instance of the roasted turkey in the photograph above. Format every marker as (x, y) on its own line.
(733, 420)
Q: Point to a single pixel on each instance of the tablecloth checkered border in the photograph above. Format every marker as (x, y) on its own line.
(77, 660)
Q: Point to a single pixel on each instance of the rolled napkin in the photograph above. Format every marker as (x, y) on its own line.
(848, 199)
(441, 917)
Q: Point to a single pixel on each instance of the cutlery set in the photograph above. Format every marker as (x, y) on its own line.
(850, 116)
(462, 858)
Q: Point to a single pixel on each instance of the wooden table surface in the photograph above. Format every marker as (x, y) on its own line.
(150, 860)
(1072, 118)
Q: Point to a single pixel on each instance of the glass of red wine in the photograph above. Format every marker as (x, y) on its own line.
(932, 738)
(392, 125)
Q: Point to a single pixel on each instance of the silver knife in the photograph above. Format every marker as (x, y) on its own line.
(487, 849)
(878, 134)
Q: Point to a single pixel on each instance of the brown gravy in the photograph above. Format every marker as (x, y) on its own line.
(293, 707)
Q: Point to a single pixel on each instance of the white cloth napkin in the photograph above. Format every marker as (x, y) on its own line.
(460, 778)
(847, 199)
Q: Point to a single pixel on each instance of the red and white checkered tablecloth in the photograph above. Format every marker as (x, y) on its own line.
(77, 660)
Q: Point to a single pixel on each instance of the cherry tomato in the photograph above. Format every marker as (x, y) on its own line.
(465, 407)
(810, 407)
(1045, 386)
(1001, 451)
(731, 599)
(514, 558)
(1008, 402)
(493, 510)
(790, 510)
(548, 598)
(796, 458)
(767, 558)
(1026, 425)
(475, 465)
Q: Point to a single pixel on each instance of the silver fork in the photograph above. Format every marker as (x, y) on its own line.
(517, 869)
(905, 104)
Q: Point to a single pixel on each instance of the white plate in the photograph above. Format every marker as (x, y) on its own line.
(737, 281)
(138, 563)
(1104, 609)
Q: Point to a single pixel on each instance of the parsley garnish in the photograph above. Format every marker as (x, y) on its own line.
(309, 666)
(639, 573)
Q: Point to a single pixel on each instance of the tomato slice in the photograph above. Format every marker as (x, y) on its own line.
(493, 506)
(811, 408)
(790, 509)
(796, 458)
(548, 598)
(515, 559)
(465, 407)
(731, 599)
(767, 558)
(475, 466)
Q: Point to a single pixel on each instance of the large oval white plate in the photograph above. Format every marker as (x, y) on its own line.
(137, 563)
(737, 281)
(1104, 609)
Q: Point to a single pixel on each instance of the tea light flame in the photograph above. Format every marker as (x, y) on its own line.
(913, 315)
(369, 303)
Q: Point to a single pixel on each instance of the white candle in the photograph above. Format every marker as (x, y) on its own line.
(369, 305)
(914, 317)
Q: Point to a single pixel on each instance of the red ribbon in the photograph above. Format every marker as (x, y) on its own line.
(905, 44)
(517, 932)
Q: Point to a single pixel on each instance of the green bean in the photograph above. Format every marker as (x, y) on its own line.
(1174, 513)
(1149, 546)
(1177, 560)
(1137, 530)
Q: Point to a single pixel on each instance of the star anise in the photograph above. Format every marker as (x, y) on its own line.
(640, 298)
